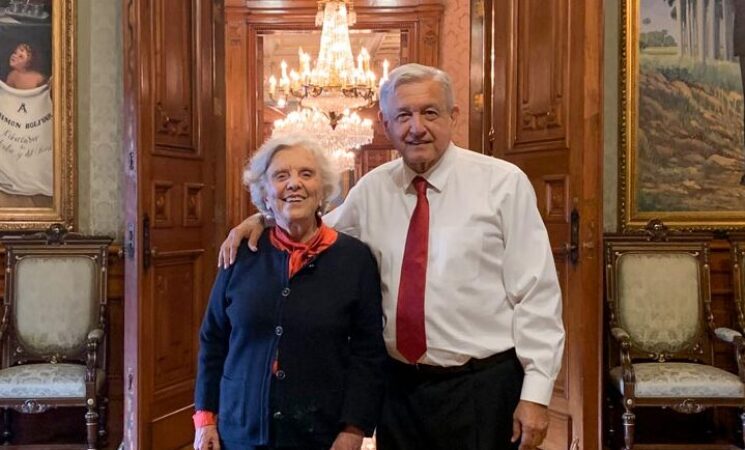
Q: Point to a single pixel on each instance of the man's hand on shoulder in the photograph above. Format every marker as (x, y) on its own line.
(529, 424)
(250, 229)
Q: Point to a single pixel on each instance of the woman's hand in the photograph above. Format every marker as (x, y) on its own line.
(251, 229)
(349, 439)
(207, 438)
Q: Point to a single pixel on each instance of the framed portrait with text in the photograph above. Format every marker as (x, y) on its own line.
(37, 114)
(682, 121)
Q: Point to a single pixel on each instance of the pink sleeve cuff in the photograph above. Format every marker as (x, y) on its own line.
(204, 418)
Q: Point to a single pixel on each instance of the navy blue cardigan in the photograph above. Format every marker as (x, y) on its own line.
(325, 327)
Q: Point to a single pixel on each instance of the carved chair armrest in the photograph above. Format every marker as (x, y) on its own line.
(735, 338)
(94, 338)
(95, 335)
(727, 334)
(627, 369)
(620, 335)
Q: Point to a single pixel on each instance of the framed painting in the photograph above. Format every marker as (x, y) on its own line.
(37, 114)
(682, 121)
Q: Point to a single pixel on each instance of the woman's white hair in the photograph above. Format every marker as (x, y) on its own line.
(412, 73)
(255, 176)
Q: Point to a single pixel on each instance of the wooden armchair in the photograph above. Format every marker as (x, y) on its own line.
(53, 329)
(660, 319)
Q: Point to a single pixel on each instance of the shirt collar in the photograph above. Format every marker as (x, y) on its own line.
(437, 175)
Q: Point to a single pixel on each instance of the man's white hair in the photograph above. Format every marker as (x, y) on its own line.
(412, 73)
(255, 176)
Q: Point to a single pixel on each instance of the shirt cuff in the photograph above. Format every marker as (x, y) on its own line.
(537, 389)
(204, 418)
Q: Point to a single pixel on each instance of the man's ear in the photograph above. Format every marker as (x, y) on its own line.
(455, 113)
(381, 118)
(383, 121)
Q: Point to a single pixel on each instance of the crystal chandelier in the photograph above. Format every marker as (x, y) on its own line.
(350, 133)
(334, 84)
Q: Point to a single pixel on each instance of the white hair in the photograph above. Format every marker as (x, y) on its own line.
(255, 176)
(412, 73)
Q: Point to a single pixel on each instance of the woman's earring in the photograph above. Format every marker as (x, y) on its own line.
(319, 211)
(268, 214)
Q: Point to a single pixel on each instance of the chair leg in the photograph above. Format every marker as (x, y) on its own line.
(629, 419)
(103, 409)
(91, 425)
(7, 433)
(610, 437)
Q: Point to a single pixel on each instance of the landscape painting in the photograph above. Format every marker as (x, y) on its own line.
(683, 121)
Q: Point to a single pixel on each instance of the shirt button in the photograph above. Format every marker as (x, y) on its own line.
(281, 375)
(285, 292)
(277, 415)
(279, 330)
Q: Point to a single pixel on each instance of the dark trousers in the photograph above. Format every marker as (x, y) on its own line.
(470, 409)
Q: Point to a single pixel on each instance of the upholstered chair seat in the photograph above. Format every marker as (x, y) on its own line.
(40, 381)
(676, 379)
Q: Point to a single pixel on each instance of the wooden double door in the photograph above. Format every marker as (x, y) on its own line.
(537, 102)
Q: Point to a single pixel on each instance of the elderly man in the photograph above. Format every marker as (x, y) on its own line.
(470, 295)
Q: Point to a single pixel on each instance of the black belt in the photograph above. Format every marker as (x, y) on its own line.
(472, 365)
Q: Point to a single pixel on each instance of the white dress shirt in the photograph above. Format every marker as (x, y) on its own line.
(491, 280)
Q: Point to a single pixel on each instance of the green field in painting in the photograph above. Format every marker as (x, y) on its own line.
(690, 147)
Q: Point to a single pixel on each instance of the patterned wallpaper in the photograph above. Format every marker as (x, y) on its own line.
(100, 117)
(455, 55)
(610, 116)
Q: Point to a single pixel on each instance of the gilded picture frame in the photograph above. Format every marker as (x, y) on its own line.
(38, 172)
(681, 117)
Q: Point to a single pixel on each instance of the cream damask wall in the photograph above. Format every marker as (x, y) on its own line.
(610, 115)
(455, 59)
(100, 89)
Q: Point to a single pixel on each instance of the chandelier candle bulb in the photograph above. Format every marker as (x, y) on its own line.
(365, 59)
(272, 86)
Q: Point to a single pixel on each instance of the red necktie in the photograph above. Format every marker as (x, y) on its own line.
(411, 340)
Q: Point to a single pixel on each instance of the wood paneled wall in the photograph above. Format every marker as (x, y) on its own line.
(61, 425)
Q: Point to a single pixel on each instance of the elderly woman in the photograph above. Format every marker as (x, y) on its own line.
(291, 349)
